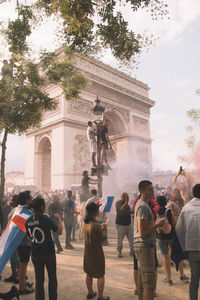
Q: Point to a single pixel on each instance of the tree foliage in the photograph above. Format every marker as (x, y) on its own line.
(193, 129)
(85, 34)
(92, 25)
(23, 99)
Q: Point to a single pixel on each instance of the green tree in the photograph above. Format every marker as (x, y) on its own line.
(92, 25)
(193, 128)
(22, 101)
(192, 140)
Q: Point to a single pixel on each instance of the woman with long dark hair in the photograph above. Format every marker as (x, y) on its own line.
(176, 202)
(94, 260)
(165, 239)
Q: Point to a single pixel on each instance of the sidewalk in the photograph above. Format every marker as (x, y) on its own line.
(119, 277)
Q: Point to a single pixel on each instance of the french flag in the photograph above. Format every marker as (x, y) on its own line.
(13, 234)
(106, 204)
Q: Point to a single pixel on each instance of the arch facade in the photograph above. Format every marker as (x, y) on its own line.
(43, 163)
(58, 151)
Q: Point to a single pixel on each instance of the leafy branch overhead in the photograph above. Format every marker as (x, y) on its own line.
(22, 101)
(92, 25)
(88, 26)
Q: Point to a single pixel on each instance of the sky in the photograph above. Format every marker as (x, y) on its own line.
(171, 69)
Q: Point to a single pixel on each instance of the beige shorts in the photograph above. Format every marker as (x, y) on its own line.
(93, 147)
(146, 267)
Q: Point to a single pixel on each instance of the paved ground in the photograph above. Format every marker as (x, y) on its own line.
(119, 277)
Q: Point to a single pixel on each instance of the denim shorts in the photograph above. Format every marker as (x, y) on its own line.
(164, 246)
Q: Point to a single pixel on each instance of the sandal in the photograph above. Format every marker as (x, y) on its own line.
(89, 296)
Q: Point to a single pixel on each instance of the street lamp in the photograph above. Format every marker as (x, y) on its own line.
(98, 114)
(98, 111)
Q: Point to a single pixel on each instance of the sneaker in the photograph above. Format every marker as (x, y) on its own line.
(26, 291)
(29, 284)
(89, 296)
(13, 293)
(105, 243)
(119, 254)
(11, 279)
(59, 250)
(169, 282)
(70, 247)
(16, 281)
(184, 278)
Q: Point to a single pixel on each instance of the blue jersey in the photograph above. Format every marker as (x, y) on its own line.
(39, 228)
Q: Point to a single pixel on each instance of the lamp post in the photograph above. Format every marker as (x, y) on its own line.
(98, 114)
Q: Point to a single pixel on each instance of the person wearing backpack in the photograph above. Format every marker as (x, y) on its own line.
(165, 237)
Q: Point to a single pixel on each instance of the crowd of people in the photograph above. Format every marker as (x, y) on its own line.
(151, 223)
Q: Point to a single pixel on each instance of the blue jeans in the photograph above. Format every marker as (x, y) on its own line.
(194, 259)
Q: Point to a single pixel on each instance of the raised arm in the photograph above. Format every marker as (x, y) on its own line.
(174, 181)
(124, 206)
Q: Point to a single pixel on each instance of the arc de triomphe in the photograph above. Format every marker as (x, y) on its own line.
(58, 152)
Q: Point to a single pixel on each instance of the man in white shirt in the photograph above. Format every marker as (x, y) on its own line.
(188, 231)
(93, 142)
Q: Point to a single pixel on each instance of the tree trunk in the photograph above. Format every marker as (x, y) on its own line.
(3, 159)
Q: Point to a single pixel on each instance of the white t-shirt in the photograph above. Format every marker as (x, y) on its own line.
(90, 134)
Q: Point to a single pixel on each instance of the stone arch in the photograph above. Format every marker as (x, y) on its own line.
(118, 128)
(43, 163)
(118, 124)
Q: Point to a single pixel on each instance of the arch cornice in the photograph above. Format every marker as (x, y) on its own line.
(40, 138)
(121, 114)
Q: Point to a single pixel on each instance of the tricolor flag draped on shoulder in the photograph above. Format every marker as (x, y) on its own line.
(13, 234)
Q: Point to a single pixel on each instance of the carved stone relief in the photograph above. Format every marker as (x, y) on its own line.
(81, 154)
(80, 107)
(113, 77)
(116, 96)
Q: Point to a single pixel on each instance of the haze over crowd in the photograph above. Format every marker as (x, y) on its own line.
(171, 69)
